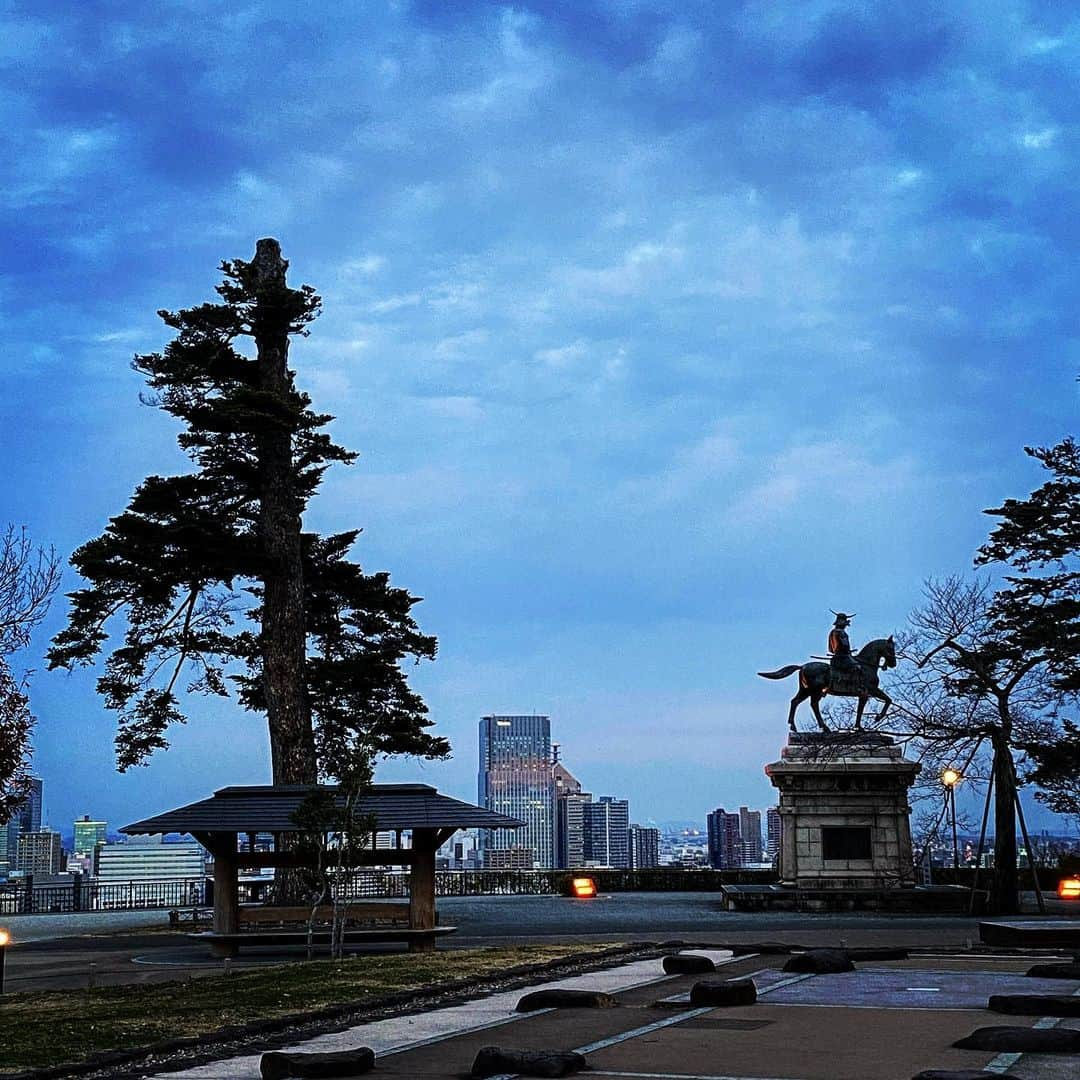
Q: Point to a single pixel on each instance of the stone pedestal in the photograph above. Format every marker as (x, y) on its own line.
(844, 813)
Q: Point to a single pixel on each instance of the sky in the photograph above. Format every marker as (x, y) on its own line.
(660, 329)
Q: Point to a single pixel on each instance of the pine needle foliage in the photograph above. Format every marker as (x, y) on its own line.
(210, 578)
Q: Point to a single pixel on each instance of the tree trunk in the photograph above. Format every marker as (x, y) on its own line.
(1005, 897)
(292, 743)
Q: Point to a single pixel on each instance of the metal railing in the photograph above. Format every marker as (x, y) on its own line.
(361, 884)
(27, 898)
(81, 895)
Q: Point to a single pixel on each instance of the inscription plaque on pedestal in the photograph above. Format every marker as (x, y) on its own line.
(844, 813)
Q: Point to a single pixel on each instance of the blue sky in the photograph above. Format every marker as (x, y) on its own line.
(660, 329)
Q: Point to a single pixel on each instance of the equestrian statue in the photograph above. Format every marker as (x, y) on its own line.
(845, 675)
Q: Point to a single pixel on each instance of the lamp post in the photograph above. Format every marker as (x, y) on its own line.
(5, 937)
(950, 778)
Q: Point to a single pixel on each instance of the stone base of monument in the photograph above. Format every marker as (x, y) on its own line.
(845, 834)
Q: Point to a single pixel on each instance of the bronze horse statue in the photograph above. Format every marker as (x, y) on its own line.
(814, 681)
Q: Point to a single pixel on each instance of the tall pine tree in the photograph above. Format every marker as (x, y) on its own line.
(1039, 538)
(213, 575)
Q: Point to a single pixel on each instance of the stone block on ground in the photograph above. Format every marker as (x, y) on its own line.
(962, 1074)
(819, 962)
(871, 953)
(281, 1064)
(1055, 971)
(566, 999)
(495, 1061)
(1035, 1004)
(763, 948)
(718, 992)
(1022, 1040)
(688, 964)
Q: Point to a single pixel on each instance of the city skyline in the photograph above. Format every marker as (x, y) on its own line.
(659, 334)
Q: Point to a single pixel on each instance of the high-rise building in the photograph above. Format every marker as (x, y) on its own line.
(725, 840)
(25, 818)
(516, 780)
(644, 845)
(772, 828)
(88, 834)
(510, 858)
(750, 833)
(149, 858)
(607, 825)
(39, 853)
(460, 852)
(570, 801)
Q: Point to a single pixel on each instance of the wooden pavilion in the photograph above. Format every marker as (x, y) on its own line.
(232, 813)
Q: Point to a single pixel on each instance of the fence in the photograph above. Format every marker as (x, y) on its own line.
(28, 898)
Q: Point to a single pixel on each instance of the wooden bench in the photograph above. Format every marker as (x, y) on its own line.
(193, 915)
(367, 911)
(385, 920)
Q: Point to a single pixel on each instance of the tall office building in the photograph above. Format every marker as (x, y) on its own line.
(515, 779)
(750, 833)
(725, 840)
(772, 828)
(570, 802)
(39, 853)
(26, 818)
(88, 834)
(644, 845)
(607, 825)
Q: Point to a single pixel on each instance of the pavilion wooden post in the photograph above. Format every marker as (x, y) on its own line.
(226, 889)
(422, 888)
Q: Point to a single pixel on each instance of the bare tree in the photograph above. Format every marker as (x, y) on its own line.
(29, 576)
(971, 698)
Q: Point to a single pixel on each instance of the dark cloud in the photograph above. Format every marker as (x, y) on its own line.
(636, 312)
(861, 56)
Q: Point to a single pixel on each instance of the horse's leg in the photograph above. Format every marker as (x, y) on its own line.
(815, 698)
(859, 712)
(796, 701)
(882, 696)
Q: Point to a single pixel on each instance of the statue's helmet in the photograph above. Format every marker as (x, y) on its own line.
(842, 619)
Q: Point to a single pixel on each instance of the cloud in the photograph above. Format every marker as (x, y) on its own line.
(563, 355)
(395, 303)
(1038, 140)
(631, 310)
(363, 266)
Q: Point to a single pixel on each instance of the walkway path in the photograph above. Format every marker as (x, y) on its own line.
(887, 1021)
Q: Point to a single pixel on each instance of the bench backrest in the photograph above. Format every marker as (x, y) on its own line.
(379, 909)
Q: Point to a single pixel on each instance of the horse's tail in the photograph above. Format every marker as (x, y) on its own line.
(783, 673)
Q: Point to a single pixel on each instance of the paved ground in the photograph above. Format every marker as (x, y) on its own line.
(885, 1021)
(46, 955)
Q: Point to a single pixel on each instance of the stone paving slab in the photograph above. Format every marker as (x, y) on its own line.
(802, 1044)
(398, 1033)
(913, 988)
(886, 1022)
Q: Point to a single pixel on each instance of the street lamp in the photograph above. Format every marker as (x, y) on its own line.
(5, 937)
(950, 778)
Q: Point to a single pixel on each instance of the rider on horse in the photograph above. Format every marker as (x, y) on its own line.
(845, 672)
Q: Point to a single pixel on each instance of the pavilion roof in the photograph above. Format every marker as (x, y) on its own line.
(269, 808)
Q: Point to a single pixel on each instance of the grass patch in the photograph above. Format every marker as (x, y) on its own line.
(59, 1027)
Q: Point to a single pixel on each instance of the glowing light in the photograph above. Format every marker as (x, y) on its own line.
(5, 937)
(583, 887)
(1069, 888)
(950, 777)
